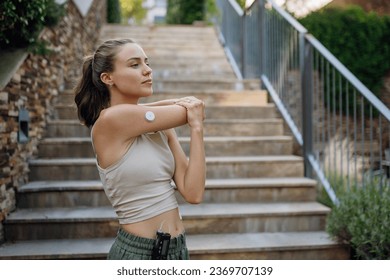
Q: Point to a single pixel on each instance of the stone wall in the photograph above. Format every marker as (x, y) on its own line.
(34, 85)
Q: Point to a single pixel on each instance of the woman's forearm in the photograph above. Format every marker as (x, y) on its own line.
(161, 102)
(195, 175)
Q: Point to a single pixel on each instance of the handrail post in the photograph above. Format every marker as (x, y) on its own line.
(306, 64)
(243, 45)
(262, 37)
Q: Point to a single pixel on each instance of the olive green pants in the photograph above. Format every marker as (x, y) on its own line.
(130, 247)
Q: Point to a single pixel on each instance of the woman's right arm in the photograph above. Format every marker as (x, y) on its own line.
(126, 121)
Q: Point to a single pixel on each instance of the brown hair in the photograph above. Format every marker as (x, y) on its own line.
(91, 94)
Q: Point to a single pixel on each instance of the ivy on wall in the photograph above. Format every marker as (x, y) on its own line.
(21, 21)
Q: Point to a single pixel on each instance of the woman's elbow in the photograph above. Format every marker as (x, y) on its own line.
(194, 199)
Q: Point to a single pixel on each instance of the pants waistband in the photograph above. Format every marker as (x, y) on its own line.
(127, 239)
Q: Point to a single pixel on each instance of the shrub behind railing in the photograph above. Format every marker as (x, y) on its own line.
(360, 40)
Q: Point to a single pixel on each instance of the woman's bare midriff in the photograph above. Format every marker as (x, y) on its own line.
(169, 222)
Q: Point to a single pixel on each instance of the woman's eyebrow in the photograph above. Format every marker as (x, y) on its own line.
(137, 58)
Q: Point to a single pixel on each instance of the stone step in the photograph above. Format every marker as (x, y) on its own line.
(217, 167)
(180, 44)
(183, 53)
(225, 98)
(159, 34)
(209, 84)
(186, 86)
(228, 98)
(165, 31)
(158, 41)
(185, 74)
(69, 112)
(202, 37)
(214, 146)
(51, 194)
(212, 127)
(315, 245)
(191, 42)
(97, 222)
(253, 217)
(155, 32)
(190, 63)
(238, 127)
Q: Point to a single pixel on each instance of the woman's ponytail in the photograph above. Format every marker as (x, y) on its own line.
(89, 98)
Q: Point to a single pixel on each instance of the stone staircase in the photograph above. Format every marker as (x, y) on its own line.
(257, 203)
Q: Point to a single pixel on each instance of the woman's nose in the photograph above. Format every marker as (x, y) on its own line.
(147, 70)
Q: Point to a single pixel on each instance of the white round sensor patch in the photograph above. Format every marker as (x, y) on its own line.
(149, 116)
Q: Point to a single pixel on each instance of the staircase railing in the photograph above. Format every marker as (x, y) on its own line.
(343, 128)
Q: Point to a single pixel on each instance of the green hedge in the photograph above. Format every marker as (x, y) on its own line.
(23, 20)
(185, 11)
(113, 11)
(360, 40)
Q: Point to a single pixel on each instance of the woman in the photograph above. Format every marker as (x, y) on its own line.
(137, 150)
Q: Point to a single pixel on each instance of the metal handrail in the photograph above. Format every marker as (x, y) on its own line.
(290, 19)
(351, 77)
(307, 83)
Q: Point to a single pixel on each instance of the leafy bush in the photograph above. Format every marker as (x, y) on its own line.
(132, 10)
(54, 12)
(241, 3)
(21, 21)
(362, 220)
(360, 40)
(185, 11)
(113, 11)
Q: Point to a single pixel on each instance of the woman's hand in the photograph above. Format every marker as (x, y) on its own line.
(195, 110)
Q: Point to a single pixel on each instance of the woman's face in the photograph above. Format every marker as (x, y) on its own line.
(132, 76)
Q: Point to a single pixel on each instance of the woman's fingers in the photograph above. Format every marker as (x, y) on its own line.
(195, 109)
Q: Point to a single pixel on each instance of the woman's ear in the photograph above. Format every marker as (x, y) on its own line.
(107, 79)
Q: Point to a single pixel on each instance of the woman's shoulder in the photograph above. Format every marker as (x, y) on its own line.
(118, 109)
(116, 113)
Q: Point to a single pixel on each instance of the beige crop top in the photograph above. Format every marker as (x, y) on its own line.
(139, 184)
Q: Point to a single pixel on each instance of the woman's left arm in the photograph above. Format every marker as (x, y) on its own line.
(190, 174)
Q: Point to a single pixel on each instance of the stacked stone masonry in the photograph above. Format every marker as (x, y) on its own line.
(34, 86)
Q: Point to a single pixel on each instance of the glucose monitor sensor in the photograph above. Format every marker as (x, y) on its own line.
(149, 116)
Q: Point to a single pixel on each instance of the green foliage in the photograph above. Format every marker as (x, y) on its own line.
(40, 48)
(185, 11)
(113, 11)
(22, 20)
(54, 12)
(360, 40)
(241, 3)
(362, 220)
(211, 10)
(339, 185)
(132, 9)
